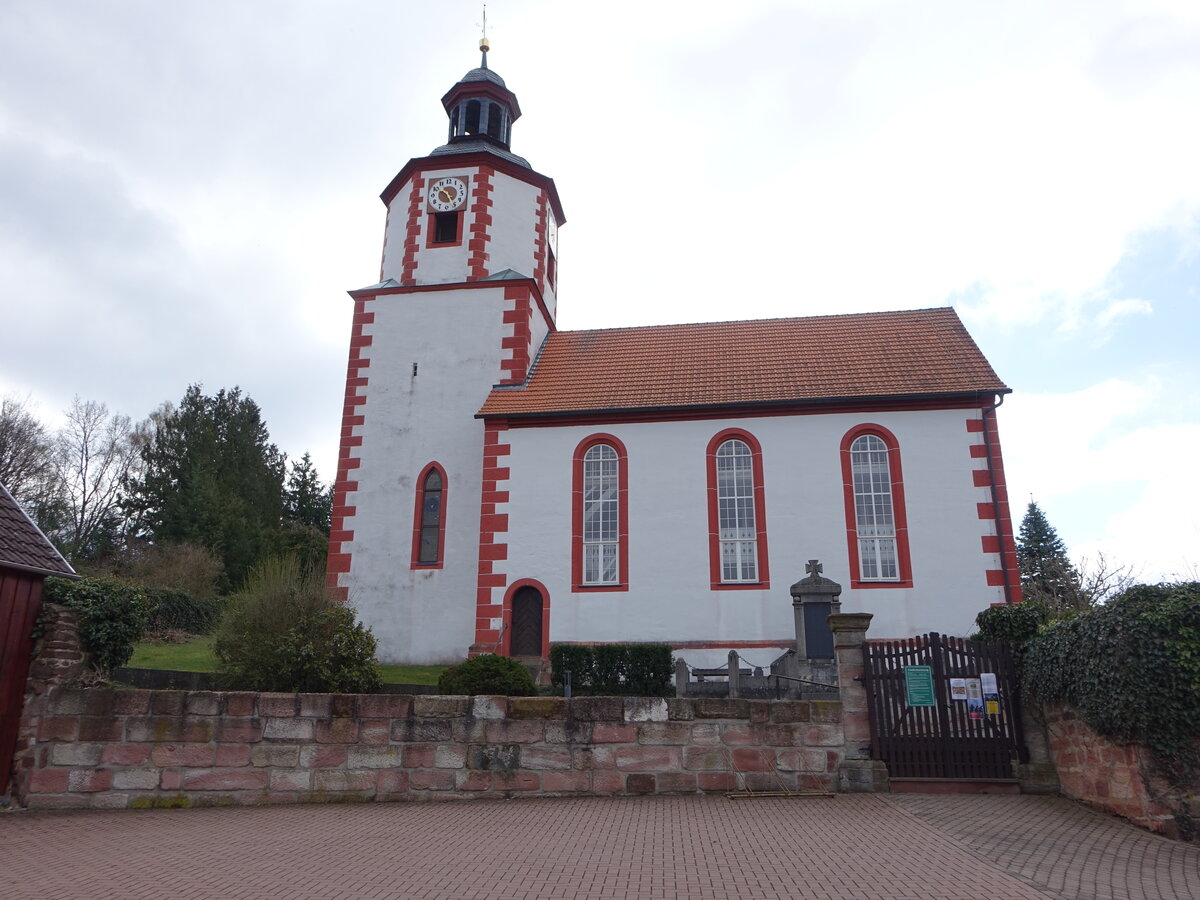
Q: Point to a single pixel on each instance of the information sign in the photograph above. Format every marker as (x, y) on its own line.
(918, 685)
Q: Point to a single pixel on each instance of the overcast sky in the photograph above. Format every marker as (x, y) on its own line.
(187, 191)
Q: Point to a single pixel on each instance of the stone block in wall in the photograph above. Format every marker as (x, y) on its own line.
(537, 708)
(131, 703)
(738, 735)
(202, 703)
(278, 706)
(611, 733)
(596, 709)
(100, 728)
(373, 757)
(788, 711)
(194, 755)
(645, 709)
(240, 703)
(316, 706)
(421, 732)
(166, 703)
(391, 784)
(486, 706)
(863, 776)
(593, 757)
(664, 733)
(753, 759)
(431, 779)
(508, 732)
(136, 779)
(797, 759)
(347, 780)
(515, 781)
(537, 758)
(290, 780)
(398, 706)
(608, 782)
(472, 781)
(566, 782)
(717, 781)
(640, 784)
(125, 755)
(649, 759)
(448, 756)
(568, 731)
(157, 729)
(76, 754)
(438, 707)
(239, 729)
(823, 736)
(679, 709)
(231, 755)
(342, 730)
(705, 734)
(826, 711)
(706, 759)
(84, 781)
(285, 729)
(720, 708)
(494, 757)
(58, 728)
(287, 756)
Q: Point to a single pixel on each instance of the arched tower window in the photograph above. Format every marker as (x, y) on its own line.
(876, 522)
(736, 512)
(472, 123)
(600, 533)
(429, 519)
(495, 123)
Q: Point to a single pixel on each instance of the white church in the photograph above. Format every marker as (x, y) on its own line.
(503, 484)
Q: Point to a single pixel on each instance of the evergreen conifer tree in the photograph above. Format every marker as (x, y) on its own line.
(1047, 574)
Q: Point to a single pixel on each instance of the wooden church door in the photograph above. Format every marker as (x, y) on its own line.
(526, 623)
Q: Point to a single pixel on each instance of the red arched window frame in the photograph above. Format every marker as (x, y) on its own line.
(714, 517)
(577, 500)
(419, 517)
(900, 516)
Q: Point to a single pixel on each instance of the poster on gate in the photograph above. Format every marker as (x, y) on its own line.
(958, 689)
(974, 699)
(991, 693)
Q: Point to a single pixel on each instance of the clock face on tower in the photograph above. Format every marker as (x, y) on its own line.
(447, 194)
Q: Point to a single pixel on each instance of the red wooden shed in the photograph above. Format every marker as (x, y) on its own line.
(26, 558)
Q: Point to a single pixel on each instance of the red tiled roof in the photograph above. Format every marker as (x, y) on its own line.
(769, 361)
(22, 544)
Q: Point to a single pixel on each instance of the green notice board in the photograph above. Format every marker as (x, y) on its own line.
(918, 685)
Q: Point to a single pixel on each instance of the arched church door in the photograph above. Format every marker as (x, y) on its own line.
(526, 622)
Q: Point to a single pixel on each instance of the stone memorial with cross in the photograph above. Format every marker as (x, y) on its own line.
(814, 597)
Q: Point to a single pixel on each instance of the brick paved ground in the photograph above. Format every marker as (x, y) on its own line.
(855, 846)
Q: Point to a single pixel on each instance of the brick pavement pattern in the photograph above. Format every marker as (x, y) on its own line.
(859, 846)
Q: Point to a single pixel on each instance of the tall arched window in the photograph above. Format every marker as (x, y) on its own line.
(737, 535)
(429, 519)
(600, 531)
(876, 524)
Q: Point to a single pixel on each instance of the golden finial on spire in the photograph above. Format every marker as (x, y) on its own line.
(483, 40)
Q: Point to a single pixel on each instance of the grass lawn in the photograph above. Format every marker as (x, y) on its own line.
(197, 656)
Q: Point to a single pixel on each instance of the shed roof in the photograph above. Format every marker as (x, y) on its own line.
(22, 544)
(911, 353)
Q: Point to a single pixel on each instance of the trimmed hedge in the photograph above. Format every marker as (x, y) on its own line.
(637, 670)
(1131, 669)
(487, 674)
(112, 615)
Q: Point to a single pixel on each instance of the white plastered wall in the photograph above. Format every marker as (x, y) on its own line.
(669, 596)
(454, 336)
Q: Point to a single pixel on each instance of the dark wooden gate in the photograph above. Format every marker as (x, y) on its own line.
(527, 622)
(942, 741)
(20, 601)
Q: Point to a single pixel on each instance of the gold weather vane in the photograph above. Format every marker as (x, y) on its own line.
(483, 39)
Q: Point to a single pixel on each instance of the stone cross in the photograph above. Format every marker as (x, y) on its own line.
(814, 567)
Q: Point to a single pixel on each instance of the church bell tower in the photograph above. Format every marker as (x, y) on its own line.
(465, 297)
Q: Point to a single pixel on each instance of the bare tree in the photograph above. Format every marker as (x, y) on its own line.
(92, 456)
(24, 452)
(1102, 578)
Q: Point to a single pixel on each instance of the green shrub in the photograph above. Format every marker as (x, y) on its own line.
(487, 674)
(176, 610)
(1015, 623)
(284, 632)
(112, 616)
(640, 670)
(1131, 669)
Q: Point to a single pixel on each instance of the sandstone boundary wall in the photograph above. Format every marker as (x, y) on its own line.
(135, 748)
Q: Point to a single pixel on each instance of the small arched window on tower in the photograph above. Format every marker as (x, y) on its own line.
(429, 525)
(495, 124)
(472, 125)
